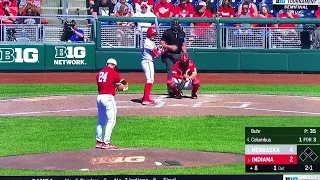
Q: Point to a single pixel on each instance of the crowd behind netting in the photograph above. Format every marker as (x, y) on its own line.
(29, 12)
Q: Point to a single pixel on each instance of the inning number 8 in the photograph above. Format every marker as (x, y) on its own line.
(103, 77)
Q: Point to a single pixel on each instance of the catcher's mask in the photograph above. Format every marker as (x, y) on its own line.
(151, 32)
(175, 26)
(184, 59)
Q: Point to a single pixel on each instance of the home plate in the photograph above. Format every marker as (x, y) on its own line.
(178, 105)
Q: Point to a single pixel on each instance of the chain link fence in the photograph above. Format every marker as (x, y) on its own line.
(284, 38)
(16, 32)
(196, 37)
(253, 38)
(118, 36)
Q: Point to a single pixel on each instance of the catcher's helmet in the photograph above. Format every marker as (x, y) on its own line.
(151, 31)
(184, 59)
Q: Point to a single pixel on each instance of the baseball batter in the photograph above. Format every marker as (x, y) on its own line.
(184, 72)
(150, 51)
(108, 80)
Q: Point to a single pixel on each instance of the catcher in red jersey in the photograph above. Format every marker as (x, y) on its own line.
(184, 76)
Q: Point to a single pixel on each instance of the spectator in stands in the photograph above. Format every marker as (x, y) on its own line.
(264, 13)
(138, 3)
(144, 13)
(245, 28)
(124, 12)
(91, 4)
(8, 8)
(209, 6)
(26, 3)
(202, 34)
(226, 10)
(252, 10)
(78, 34)
(287, 14)
(103, 8)
(31, 11)
(287, 35)
(121, 2)
(184, 9)
(164, 9)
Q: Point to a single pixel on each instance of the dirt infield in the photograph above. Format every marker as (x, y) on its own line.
(121, 159)
(129, 105)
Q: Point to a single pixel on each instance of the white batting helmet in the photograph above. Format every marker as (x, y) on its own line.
(112, 61)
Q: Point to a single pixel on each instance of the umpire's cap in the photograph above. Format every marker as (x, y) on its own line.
(112, 61)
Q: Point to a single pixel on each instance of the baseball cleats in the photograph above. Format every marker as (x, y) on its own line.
(108, 146)
(178, 96)
(194, 96)
(99, 144)
(148, 102)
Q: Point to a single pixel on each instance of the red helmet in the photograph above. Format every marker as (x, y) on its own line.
(184, 58)
(151, 31)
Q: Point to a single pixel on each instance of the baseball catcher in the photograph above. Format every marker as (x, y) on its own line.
(184, 77)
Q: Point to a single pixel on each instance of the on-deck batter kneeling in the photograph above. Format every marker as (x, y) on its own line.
(150, 51)
(184, 76)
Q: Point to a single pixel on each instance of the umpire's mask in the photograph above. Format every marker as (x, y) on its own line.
(175, 26)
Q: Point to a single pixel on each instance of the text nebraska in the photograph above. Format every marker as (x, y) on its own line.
(265, 150)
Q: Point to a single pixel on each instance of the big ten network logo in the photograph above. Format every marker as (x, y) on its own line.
(70, 55)
(112, 160)
(19, 55)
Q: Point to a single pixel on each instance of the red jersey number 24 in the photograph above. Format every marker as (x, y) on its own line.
(103, 77)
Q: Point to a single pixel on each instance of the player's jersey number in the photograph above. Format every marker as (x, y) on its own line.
(103, 77)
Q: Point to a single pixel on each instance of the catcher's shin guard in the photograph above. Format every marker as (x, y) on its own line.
(195, 85)
(172, 86)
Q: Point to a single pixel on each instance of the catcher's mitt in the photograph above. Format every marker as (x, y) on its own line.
(180, 86)
(125, 85)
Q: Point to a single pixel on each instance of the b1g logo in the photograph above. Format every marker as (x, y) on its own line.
(19, 55)
(70, 52)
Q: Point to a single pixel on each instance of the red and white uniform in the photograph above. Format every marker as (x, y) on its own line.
(179, 70)
(107, 110)
(150, 52)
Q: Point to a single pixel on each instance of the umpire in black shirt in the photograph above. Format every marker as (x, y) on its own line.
(172, 41)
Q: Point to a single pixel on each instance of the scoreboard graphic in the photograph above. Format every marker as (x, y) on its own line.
(284, 149)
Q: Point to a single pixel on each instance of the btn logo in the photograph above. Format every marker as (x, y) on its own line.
(19, 55)
(69, 55)
(70, 52)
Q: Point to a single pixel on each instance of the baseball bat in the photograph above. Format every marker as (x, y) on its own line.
(157, 24)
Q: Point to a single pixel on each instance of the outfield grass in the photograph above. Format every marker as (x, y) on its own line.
(209, 133)
(27, 90)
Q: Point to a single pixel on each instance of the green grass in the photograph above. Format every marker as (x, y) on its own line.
(27, 90)
(208, 133)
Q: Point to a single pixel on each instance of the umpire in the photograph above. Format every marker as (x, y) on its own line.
(173, 41)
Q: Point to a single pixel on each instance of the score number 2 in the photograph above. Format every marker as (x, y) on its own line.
(103, 77)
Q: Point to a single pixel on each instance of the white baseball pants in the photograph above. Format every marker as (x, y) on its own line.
(148, 69)
(187, 86)
(107, 112)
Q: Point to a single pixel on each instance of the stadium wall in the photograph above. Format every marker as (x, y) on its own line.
(79, 57)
